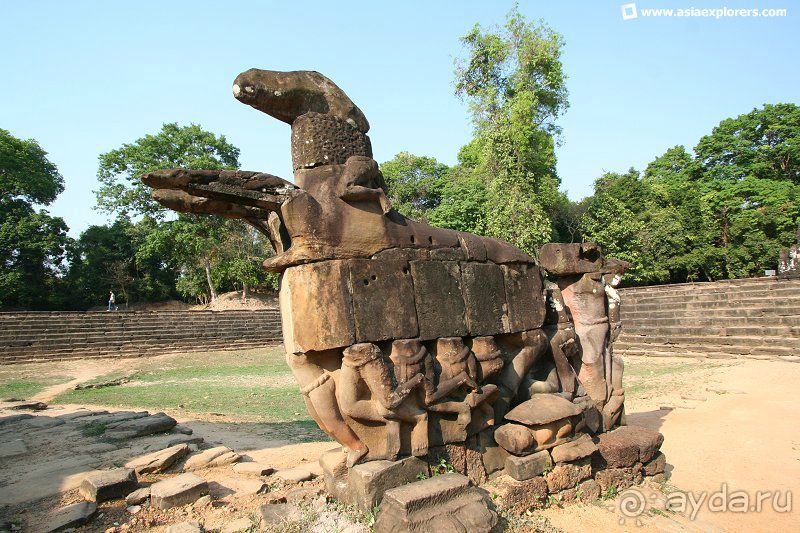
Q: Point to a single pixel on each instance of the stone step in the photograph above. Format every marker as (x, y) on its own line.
(709, 330)
(711, 285)
(678, 319)
(730, 345)
(775, 295)
(782, 307)
(95, 333)
(693, 351)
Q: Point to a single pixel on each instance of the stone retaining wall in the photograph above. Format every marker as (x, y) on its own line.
(53, 336)
(755, 318)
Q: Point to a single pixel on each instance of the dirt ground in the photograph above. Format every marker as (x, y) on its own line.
(728, 425)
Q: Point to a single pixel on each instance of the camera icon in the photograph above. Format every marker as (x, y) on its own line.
(629, 11)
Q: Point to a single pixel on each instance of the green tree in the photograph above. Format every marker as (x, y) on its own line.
(513, 79)
(415, 183)
(31, 241)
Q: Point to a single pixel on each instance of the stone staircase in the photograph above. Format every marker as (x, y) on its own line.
(756, 318)
(53, 336)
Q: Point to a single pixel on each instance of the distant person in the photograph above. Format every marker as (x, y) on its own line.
(112, 301)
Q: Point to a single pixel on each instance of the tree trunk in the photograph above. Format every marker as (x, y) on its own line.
(211, 289)
(244, 291)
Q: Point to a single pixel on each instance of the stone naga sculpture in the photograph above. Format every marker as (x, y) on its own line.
(402, 336)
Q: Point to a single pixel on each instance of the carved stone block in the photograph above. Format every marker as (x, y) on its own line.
(484, 297)
(383, 300)
(316, 307)
(526, 308)
(440, 304)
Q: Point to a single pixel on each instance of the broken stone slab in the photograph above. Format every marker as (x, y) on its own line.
(42, 422)
(157, 423)
(619, 478)
(113, 419)
(185, 527)
(158, 461)
(219, 456)
(108, 484)
(518, 496)
(70, 516)
(12, 448)
(273, 514)
(237, 526)
(23, 405)
(294, 475)
(180, 490)
(253, 469)
(529, 466)
(299, 494)
(441, 503)
(182, 429)
(579, 448)
(567, 475)
(81, 413)
(628, 445)
(368, 482)
(185, 440)
(202, 501)
(138, 496)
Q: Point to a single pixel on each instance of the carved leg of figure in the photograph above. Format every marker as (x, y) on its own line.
(319, 391)
(592, 373)
(534, 345)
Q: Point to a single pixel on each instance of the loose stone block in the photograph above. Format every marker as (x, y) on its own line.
(253, 469)
(219, 456)
(484, 298)
(564, 259)
(571, 451)
(368, 482)
(447, 254)
(627, 445)
(383, 300)
(140, 427)
(158, 461)
(441, 503)
(588, 491)
(108, 485)
(273, 514)
(138, 496)
(179, 490)
(294, 475)
(656, 465)
(523, 468)
(185, 527)
(316, 307)
(438, 298)
(526, 307)
(518, 496)
(619, 478)
(70, 516)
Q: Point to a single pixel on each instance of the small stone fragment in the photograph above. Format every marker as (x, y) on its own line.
(294, 475)
(158, 461)
(572, 451)
(134, 509)
(219, 456)
(656, 465)
(277, 513)
(23, 405)
(139, 427)
(138, 496)
(185, 527)
(108, 484)
(567, 475)
(180, 490)
(202, 502)
(237, 526)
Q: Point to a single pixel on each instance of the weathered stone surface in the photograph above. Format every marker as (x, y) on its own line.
(316, 307)
(10, 419)
(564, 259)
(108, 484)
(383, 300)
(523, 468)
(158, 461)
(656, 465)
(484, 298)
(294, 475)
(541, 409)
(628, 445)
(619, 478)
(473, 455)
(273, 514)
(452, 455)
(369, 481)
(526, 309)
(237, 526)
(253, 469)
(439, 302)
(12, 448)
(518, 496)
(447, 254)
(515, 438)
(185, 527)
(588, 491)
(70, 516)
(441, 503)
(473, 246)
(138, 496)
(335, 471)
(319, 139)
(571, 451)
(179, 490)
(185, 440)
(567, 475)
(218, 456)
(139, 427)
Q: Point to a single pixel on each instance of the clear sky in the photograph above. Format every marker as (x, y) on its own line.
(84, 77)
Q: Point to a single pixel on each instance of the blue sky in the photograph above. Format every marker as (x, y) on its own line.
(85, 77)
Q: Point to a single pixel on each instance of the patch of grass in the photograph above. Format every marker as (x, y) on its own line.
(93, 429)
(24, 388)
